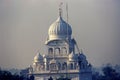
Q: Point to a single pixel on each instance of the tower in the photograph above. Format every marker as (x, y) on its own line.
(85, 72)
(61, 58)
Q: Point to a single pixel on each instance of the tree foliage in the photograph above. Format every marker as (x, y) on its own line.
(108, 73)
(6, 75)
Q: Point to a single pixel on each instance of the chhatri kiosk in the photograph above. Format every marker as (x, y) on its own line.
(63, 58)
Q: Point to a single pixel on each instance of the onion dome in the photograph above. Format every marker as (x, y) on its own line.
(71, 57)
(38, 58)
(59, 30)
(82, 56)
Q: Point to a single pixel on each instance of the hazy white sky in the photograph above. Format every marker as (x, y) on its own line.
(24, 27)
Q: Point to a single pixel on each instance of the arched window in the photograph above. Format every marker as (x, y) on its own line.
(59, 66)
(47, 67)
(71, 66)
(64, 50)
(50, 50)
(53, 66)
(64, 66)
(57, 51)
(75, 65)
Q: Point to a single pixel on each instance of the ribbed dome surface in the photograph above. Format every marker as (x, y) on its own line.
(59, 29)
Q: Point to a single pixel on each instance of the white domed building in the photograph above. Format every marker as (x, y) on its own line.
(62, 58)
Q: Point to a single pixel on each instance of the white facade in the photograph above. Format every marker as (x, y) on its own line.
(62, 58)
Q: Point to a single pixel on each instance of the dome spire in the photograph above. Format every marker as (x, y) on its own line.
(60, 9)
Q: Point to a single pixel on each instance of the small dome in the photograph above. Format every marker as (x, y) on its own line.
(38, 58)
(59, 30)
(71, 57)
(82, 56)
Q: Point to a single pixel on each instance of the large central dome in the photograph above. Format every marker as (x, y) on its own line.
(59, 30)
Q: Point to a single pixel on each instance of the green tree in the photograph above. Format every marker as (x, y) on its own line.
(110, 74)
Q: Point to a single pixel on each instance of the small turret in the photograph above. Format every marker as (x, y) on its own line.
(84, 67)
(71, 57)
(38, 58)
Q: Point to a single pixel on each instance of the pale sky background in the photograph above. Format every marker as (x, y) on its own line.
(24, 27)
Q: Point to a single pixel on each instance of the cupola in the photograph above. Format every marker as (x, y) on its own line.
(59, 29)
(38, 58)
